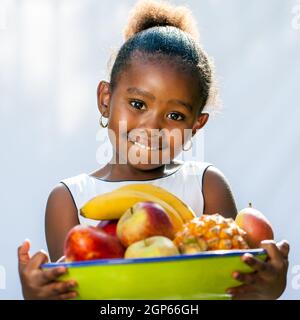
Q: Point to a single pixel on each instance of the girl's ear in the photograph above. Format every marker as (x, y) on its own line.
(200, 123)
(103, 98)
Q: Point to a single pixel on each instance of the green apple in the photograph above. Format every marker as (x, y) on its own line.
(156, 246)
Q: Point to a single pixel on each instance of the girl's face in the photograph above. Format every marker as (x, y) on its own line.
(152, 113)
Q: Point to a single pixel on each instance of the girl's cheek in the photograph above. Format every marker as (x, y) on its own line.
(176, 141)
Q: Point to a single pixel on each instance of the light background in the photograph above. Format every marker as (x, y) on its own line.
(54, 53)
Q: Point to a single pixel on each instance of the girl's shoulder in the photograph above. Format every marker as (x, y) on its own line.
(214, 177)
(212, 180)
(60, 200)
(218, 194)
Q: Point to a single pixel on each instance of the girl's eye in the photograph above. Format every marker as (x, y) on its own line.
(141, 106)
(175, 116)
(137, 104)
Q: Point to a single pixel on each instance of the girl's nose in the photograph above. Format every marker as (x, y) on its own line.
(149, 121)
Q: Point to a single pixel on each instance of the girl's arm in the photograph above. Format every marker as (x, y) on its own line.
(217, 194)
(61, 216)
(268, 279)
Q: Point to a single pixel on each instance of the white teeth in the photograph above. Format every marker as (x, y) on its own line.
(144, 146)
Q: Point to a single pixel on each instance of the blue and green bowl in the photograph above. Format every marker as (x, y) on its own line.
(204, 275)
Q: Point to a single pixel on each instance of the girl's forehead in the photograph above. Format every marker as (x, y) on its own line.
(160, 76)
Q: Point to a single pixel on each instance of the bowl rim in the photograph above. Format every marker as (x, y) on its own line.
(124, 261)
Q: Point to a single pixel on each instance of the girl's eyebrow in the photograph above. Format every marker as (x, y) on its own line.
(150, 96)
(141, 92)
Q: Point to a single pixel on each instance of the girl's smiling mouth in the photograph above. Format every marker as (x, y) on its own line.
(146, 146)
(155, 143)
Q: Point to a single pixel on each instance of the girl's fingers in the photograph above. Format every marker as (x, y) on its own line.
(50, 275)
(23, 254)
(58, 288)
(284, 248)
(271, 248)
(265, 269)
(255, 263)
(246, 278)
(37, 260)
(240, 291)
(67, 296)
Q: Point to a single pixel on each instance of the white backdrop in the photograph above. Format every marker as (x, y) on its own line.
(54, 53)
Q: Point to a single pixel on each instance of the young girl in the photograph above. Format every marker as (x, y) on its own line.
(161, 79)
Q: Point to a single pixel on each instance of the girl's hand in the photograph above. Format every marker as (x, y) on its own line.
(42, 284)
(268, 281)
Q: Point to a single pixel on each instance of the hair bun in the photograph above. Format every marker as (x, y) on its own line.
(151, 13)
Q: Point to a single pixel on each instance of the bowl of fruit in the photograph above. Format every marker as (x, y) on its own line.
(151, 245)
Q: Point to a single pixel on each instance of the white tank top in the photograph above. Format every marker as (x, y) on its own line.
(185, 183)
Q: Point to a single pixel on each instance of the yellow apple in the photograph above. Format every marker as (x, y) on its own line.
(156, 246)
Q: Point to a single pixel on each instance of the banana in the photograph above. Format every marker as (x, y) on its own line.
(184, 210)
(112, 205)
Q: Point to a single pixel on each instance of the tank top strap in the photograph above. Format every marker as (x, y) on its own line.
(192, 185)
(197, 169)
(81, 188)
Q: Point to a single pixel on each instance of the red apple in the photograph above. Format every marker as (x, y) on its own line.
(256, 225)
(108, 226)
(144, 220)
(89, 243)
(156, 246)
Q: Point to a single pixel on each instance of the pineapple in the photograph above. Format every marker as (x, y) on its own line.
(210, 232)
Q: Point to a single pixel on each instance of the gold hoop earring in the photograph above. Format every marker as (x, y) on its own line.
(101, 123)
(190, 146)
